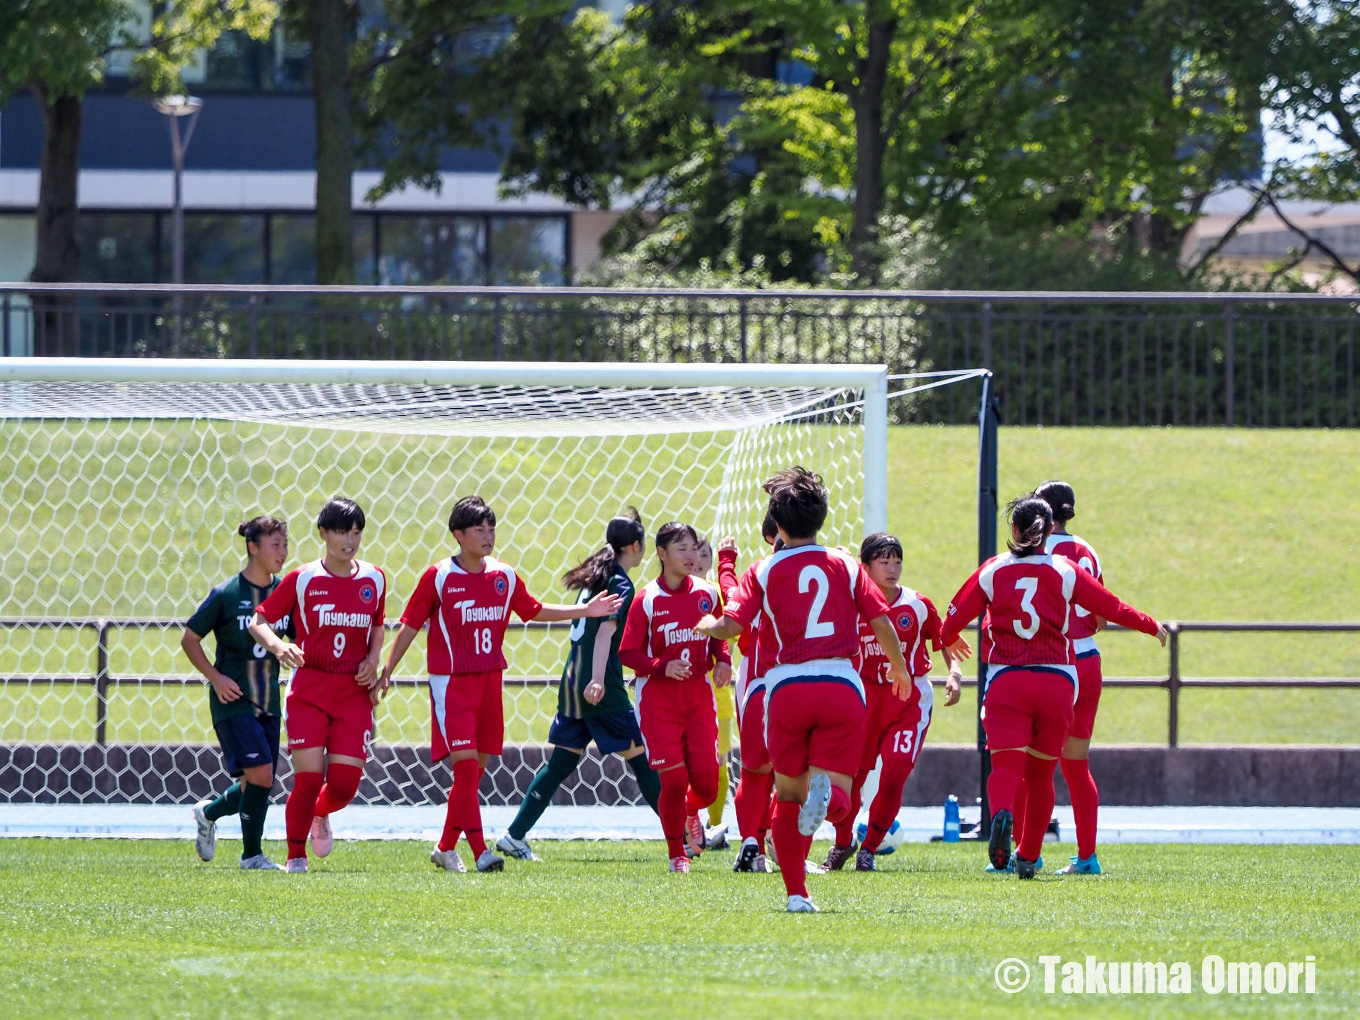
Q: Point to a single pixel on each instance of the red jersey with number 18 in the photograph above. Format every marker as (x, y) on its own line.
(333, 614)
(468, 615)
(813, 599)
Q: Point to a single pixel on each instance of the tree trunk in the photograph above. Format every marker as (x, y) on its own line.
(328, 32)
(57, 255)
(866, 102)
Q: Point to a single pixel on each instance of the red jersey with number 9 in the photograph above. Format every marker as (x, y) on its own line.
(468, 615)
(333, 614)
(813, 599)
(1028, 602)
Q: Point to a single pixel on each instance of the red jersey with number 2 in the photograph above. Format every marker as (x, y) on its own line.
(813, 600)
(333, 614)
(1027, 602)
(917, 624)
(468, 615)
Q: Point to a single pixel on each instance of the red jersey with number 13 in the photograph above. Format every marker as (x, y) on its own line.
(468, 615)
(813, 599)
(333, 614)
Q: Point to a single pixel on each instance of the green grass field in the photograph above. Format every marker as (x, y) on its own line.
(143, 930)
(1192, 524)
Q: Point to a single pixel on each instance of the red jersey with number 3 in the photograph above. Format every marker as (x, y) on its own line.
(813, 600)
(333, 614)
(1082, 627)
(1027, 601)
(660, 628)
(467, 615)
(917, 624)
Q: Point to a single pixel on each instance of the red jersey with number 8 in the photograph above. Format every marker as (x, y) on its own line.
(660, 628)
(333, 614)
(1028, 603)
(813, 599)
(468, 615)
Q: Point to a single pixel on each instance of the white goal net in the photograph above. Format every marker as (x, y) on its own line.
(122, 483)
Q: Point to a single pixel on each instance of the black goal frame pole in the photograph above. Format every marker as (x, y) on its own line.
(988, 420)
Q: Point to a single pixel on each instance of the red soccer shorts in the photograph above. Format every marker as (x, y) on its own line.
(328, 710)
(1088, 697)
(814, 721)
(679, 722)
(1028, 708)
(469, 714)
(895, 728)
(754, 754)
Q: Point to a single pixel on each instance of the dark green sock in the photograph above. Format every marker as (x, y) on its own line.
(648, 781)
(228, 802)
(555, 770)
(254, 806)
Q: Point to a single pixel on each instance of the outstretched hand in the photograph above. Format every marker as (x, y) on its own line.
(604, 604)
(960, 649)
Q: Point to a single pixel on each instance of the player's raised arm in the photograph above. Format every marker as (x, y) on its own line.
(966, 606)
(605, 603)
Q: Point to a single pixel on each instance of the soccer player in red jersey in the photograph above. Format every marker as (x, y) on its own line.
(338, 605)
(755, 785)
(813, 600)
(1076, 752)
(894, 729)
(466, 602)
(1027, 596)
(674, 702)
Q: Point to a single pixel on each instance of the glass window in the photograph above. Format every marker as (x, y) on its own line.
(292, 248)
(240, 63)
(218, 247)
(117, 247)
(528, 249)
(432, 249)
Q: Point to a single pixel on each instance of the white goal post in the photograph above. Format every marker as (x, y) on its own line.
(122, 482)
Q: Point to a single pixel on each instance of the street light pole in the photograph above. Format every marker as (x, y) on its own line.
(175, 108)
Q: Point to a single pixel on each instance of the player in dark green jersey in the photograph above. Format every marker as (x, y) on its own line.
(592, 701)
(244, 690)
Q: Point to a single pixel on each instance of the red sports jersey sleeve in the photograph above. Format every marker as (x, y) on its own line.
(282, 600)
(721, 652)
(727, 573)
(525, 606)
(424, 601)
(633, 651)
(1094, 597)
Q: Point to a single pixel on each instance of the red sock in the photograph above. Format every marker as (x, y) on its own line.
(703, 790)
(448, 839)
(342, 783)
(464, 801)
(791, 846)
(888, 801)
(1039, 777)
(1018, 810)
(845, 828)
(670, 805)
(300, 810)
(839, 808)
(1085, 802)
(751, 803)
(1008, 768)
(767, 819)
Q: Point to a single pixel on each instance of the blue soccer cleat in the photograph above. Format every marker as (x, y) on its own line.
(1082, 866)
(1009, 869)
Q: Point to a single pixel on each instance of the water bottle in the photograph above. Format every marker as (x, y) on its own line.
(951, 819)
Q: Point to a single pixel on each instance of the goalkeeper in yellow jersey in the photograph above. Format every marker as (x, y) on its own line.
(716, 837)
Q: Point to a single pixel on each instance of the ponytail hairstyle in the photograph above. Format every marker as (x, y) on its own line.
(1061, 498)
(1033, 519)
(258, 527)
(594, 573)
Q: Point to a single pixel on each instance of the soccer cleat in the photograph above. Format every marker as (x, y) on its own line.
(296, 866)
(679, 865)
(516, 848)
(813, 812)
(321, 836)
(716, 838)
(999, 845)
(747, 855)
(813, 868)
(205, 841)
(1009, 869)
(801, 905)
(1039, 864)
(762, 865)
(1082, 866)
(838, 855)
(864, 860)
(694, 836)
(1024, 868)
(259, 863)
(488, 861)
(448, 860)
